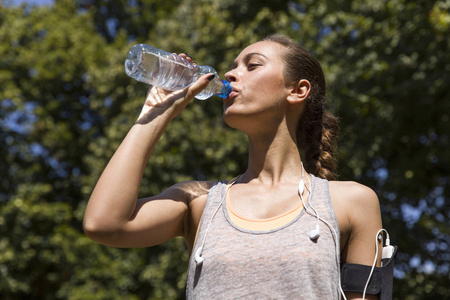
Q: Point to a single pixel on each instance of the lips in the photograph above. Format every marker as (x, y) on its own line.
(234, 93)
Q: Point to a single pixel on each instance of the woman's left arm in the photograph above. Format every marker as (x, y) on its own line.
(358, 211)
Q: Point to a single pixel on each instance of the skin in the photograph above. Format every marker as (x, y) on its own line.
(264, 107)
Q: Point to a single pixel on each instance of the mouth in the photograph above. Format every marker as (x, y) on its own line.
(234, 93)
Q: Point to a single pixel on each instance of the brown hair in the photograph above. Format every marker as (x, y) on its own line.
(317, 129)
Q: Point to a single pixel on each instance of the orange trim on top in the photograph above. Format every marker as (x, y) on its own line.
(261, 224)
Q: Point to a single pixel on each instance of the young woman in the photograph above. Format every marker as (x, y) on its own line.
(277, 231)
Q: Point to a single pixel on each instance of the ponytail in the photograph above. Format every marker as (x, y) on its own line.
(318, 141)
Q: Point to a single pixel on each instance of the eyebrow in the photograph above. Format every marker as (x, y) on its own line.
(246, 59)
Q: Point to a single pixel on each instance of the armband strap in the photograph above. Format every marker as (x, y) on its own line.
(354, 278)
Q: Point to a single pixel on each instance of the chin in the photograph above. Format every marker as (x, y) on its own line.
(233, 119)
(229, 119)
(237, 119)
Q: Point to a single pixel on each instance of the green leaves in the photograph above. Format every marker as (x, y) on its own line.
(66, 104)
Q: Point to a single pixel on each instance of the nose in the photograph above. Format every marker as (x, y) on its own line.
(230, 76)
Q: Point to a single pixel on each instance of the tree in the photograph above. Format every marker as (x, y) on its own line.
(48, 57)
(66, 104)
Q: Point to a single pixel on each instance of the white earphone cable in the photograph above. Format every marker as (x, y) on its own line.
(333, 231)
(198, 254)
(374, 261)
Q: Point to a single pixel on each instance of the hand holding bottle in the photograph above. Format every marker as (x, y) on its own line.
(171, 71)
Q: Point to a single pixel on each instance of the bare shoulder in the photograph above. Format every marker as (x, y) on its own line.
(189, 190)
(353, 195)
(195, 194)
(176, 211)
(357, 210)
(185, 199)
(192, 193)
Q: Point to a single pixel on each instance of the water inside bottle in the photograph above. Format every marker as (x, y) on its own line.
(171, 73)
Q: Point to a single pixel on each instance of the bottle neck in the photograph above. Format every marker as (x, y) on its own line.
(226, 90)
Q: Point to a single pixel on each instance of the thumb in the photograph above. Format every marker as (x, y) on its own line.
(199, 85)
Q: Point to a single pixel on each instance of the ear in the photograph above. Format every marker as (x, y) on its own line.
(299, 91)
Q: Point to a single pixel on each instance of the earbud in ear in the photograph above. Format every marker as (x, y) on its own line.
(315, 233)
(198, 255)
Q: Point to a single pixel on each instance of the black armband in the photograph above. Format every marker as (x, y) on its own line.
(354, 278)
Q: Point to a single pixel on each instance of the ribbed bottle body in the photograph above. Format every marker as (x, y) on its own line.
(170, 71)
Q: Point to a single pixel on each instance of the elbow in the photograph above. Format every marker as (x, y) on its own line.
(92, 229)
(99, 232)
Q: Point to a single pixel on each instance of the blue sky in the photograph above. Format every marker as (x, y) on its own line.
(33, 2)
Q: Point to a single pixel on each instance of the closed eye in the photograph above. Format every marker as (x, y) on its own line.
(252, 66)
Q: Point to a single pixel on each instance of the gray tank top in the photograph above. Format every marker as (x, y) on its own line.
(282, 263)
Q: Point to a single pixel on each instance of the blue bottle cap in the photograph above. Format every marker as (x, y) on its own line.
(226, 90)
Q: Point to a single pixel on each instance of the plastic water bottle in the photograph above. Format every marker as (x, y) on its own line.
(170, 71)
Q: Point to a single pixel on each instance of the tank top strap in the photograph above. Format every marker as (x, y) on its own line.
(214, 199)
(323, 202)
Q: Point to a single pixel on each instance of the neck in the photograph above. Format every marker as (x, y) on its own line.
(273, 158)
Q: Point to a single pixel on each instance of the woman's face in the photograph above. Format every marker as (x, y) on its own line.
(259, 88)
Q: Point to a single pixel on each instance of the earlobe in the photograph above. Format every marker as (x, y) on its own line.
(299, 92)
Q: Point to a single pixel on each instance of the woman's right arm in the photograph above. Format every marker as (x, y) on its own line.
(114, 216)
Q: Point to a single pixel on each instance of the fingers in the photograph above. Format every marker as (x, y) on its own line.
(199, 85)
(157, 97)
(162, 101)
(187, 57)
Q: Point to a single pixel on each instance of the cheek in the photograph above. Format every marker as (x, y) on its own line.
(268, 86)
